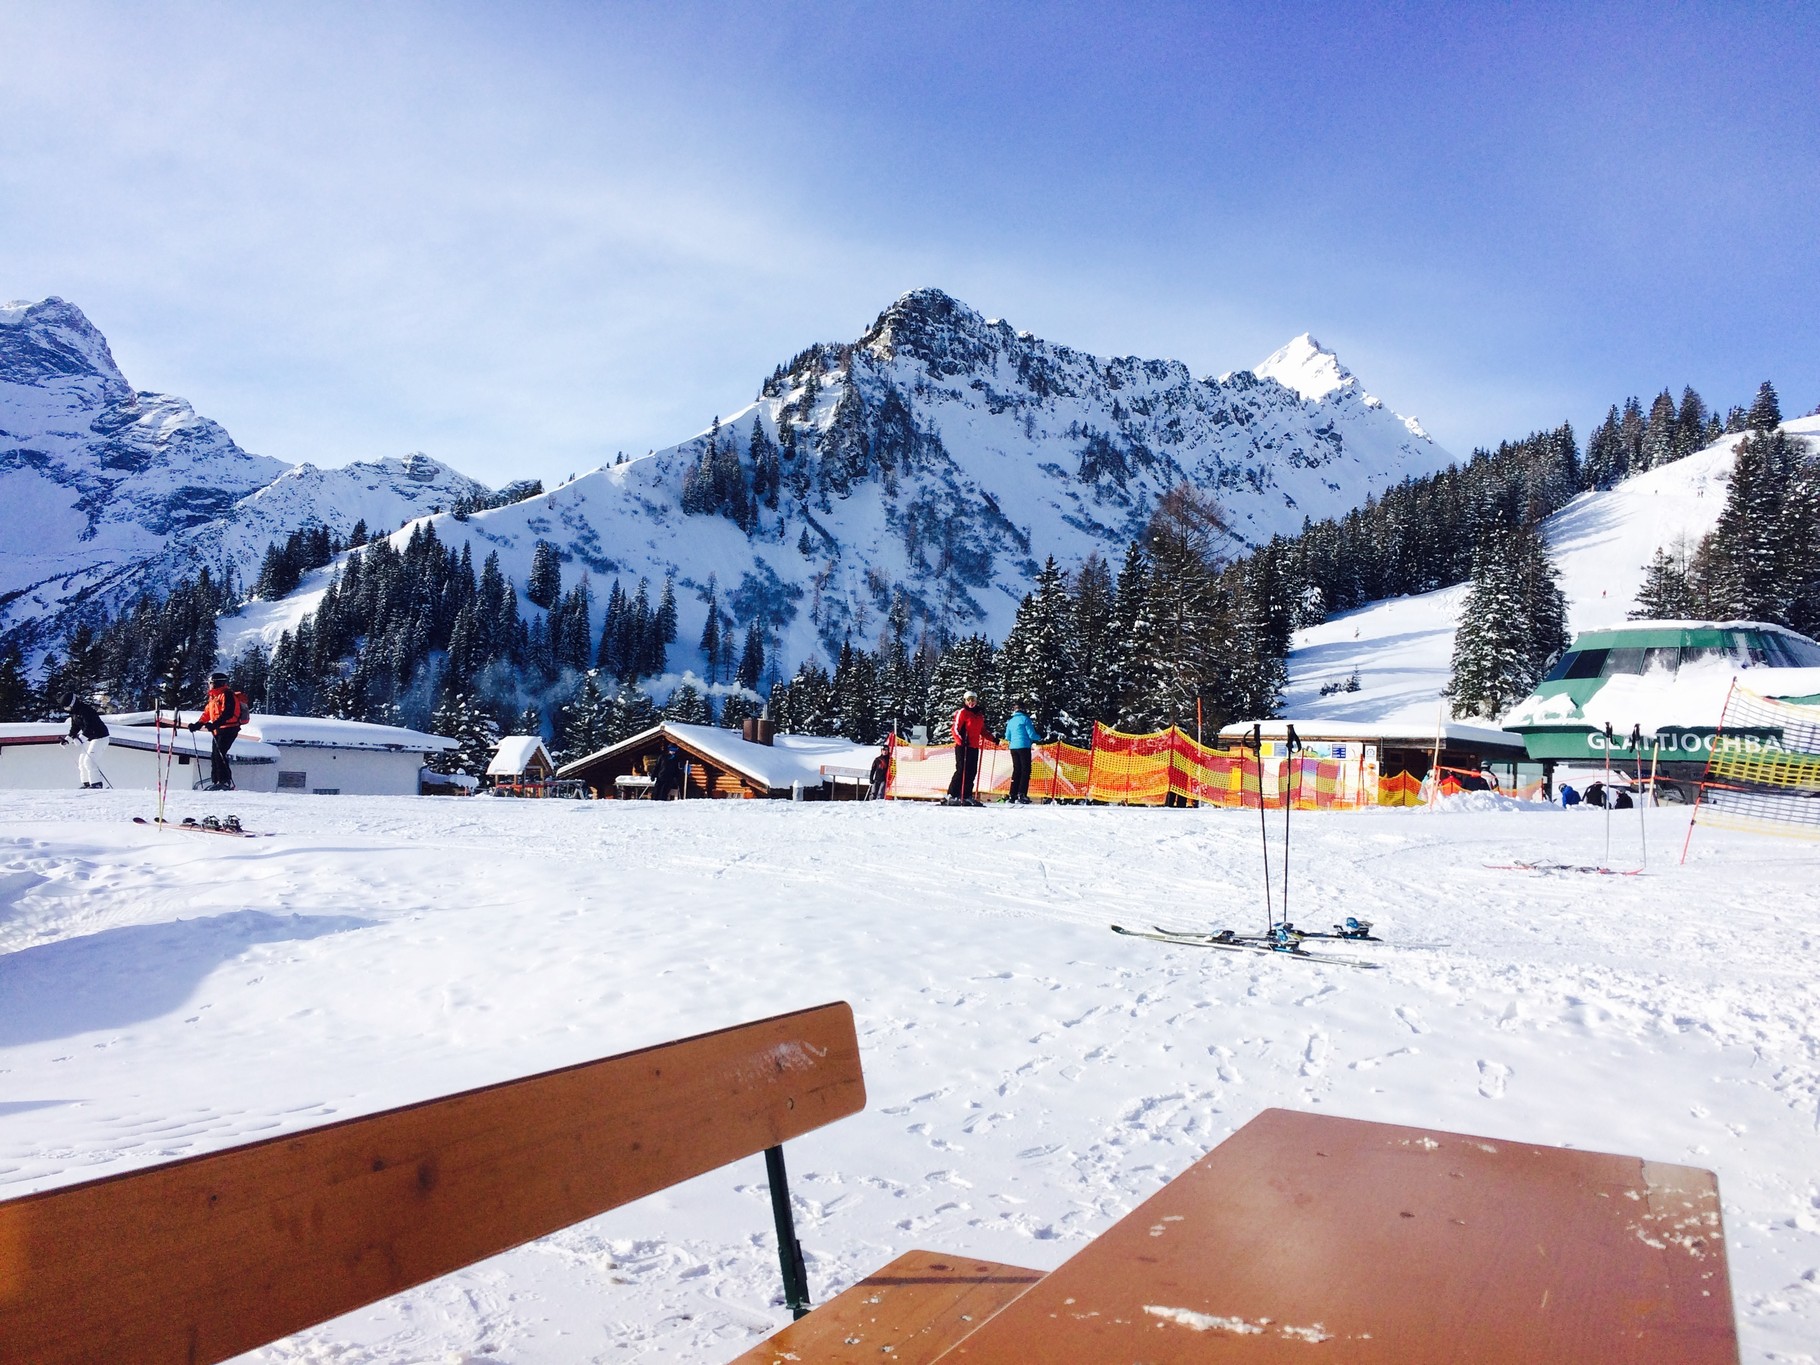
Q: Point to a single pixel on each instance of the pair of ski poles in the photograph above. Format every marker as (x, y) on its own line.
(1636, 749)
(1288, 788)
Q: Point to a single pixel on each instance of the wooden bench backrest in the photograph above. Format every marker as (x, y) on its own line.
(202, 1259)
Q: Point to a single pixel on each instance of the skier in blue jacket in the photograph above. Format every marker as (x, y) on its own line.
(1020, 734)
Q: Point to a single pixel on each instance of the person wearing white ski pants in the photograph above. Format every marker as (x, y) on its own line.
(87, 761)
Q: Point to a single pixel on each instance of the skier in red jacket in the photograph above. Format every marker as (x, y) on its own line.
(969, 738)
(222, 717)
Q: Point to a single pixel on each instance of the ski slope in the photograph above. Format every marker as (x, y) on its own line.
(1402, 647)
(1031, 1075)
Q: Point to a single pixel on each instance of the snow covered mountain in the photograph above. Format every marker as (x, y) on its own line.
(1402, 648)
(939, 459)
(106, 490)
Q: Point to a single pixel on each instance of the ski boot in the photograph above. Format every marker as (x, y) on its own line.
(210, 822)
(231, 823)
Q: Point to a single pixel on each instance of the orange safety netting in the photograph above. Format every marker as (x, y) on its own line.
(1400, 789)
(1144, 770)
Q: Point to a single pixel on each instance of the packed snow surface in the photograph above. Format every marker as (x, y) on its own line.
(1031, 1076)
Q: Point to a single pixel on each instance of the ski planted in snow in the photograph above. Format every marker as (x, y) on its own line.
(1233, 944)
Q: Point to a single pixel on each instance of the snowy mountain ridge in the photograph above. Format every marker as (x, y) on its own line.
(106, 491)
(936, 461)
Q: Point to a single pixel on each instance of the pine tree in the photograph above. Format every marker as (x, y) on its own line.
(736, 709)
(1765, 410)
(1661, 432)
(1096, 652)
(1752, 555)
(1630, 438)
(1690, 423)
(1604, 464)
(751, 659)
(688, 707)
(584, 721)
(544, 585)
(1801, 546)
(633, 712)
(15, 687)
(710, 635)
(460, 717)
(1513, 620)
(1037, 665)
(1667, 593)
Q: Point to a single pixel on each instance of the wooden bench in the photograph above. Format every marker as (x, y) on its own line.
(201, 1259)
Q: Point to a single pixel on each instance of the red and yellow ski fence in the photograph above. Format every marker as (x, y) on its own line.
(1168, 767)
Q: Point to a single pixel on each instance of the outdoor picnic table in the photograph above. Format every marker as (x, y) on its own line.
(1305, 1237)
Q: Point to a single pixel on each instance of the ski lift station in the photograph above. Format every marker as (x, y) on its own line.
(1654, 691)
(303, 754)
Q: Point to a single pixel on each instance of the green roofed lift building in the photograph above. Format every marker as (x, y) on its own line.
(1653, 693)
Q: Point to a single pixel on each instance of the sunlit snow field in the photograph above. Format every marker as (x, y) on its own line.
(1031, 1076)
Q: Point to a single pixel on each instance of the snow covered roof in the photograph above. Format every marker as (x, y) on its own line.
(125, 735)
(514, 755)
(777, 766)
(312, 732)
(1385, 732)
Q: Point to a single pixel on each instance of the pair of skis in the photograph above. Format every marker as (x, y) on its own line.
(1284, 944)
(1280, 937)
(208, 824)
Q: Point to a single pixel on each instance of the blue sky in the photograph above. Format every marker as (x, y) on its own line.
(525, 237)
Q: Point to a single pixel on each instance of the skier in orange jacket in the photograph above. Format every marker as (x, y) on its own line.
(223, 715)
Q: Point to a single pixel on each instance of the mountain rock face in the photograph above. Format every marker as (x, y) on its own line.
(106, 490)
(937, 461)
(933, 463)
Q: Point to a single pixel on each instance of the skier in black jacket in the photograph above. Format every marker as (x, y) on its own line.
(90, 731)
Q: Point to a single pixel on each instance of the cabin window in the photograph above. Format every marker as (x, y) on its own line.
(1588, 663)
(1787, 651)
(1693, 654)
(1747, 648)
(1621, 661)
(1662, 660)
(292, 782)
(1559, 671)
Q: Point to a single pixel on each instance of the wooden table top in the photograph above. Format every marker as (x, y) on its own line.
(1309, 1238)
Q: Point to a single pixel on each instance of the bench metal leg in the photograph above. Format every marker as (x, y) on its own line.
(789, 1250)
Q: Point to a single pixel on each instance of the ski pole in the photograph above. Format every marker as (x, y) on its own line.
(1636, 749)
(1605, 795)
(1293, 773)
(1257, 745)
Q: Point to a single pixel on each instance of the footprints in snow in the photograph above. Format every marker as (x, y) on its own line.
(1493, 1076)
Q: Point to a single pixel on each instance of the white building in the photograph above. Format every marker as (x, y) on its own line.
(32, 759)
(351, 757)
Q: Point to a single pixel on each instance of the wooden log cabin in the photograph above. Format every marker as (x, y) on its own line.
(754, 764)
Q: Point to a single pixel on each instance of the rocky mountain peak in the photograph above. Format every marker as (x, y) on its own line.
(1308, 368)
(938, 330)
(51, 340)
